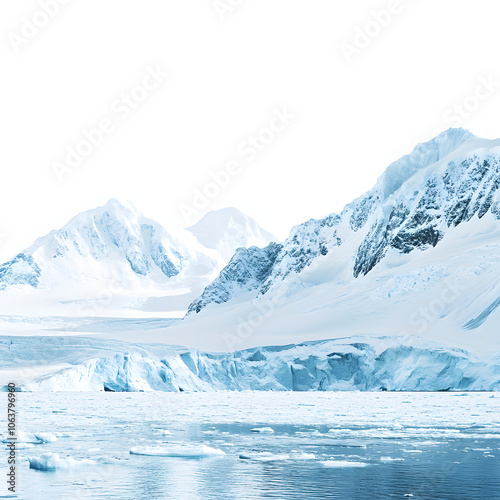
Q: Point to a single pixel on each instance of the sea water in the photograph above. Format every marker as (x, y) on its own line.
(256, 445)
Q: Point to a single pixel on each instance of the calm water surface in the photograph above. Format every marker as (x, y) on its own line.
(323, 445)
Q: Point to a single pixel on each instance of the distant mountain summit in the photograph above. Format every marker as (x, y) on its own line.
(114, 238)
(227, 229)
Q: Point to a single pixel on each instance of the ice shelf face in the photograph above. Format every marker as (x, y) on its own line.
(362, 363)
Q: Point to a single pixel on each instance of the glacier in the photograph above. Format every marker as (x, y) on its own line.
(363, 363)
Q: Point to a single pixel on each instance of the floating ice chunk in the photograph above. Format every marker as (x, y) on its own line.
(342, 463)
(412, 451)
(429, 443)
(164, 432)
(314, 432)
(23, 446)
(39, 438)
(262, 430)
(263, 456)
(390, 459)
(177, 451)
(52, 461)
(45, 437)
(305, 456)
(104, 459)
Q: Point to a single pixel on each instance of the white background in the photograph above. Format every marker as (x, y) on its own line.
(226, 76)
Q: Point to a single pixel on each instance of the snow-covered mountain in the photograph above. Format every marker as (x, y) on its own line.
(227, 229)
(115, 250)
(427, 236)
(441, 184)
(111, 240)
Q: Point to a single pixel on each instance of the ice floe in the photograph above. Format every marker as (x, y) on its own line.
(305, 456)
(177, 451)
(342, 463)
(263, 456)
(38, 438)
(52, 461)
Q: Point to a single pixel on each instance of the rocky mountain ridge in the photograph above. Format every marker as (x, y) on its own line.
(441, 184)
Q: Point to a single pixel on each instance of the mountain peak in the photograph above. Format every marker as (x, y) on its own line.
(227, 229)
(221, 214)
(112, 209)
(114, 203)
(113, 239)
(423, 155)
(115, 206)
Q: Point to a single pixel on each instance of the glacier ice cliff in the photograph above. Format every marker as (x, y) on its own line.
(362, 363)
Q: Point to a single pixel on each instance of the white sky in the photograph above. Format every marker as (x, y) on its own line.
(226, 77)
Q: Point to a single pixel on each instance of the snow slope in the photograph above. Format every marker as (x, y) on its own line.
(360, 363)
